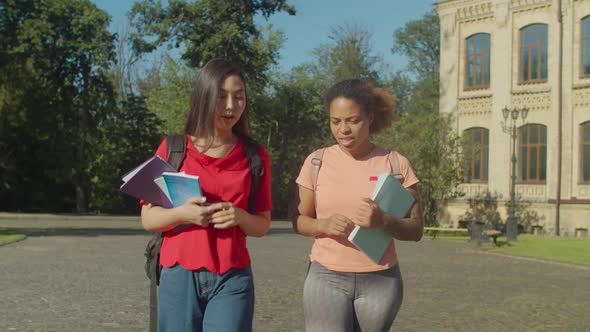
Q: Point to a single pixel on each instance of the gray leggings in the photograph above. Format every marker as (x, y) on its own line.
(351, 301)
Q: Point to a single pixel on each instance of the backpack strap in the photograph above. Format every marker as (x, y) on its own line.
(316, 163)
(252, 150)
(176, 149)
(394, 162)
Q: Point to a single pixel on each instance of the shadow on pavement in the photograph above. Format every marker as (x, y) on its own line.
(35, 232)
(279, 231)
(32, 232)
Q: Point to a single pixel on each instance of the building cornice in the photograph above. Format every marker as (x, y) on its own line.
(467, 10)
(525, 5)
(582, 85)
(475, 11)
(531, 89)
(457, 4)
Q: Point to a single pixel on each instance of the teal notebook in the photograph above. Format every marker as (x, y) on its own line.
(393, 199)
(179, 187)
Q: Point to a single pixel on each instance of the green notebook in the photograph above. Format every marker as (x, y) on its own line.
(393, 199)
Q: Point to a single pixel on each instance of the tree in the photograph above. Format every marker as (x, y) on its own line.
(293, 121)
(418, 41)
(170, 100)
(123, 73)
(63, 48)
(209, 29)
(348, 56)
(124, 139)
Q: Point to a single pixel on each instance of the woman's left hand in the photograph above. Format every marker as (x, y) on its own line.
(369, 214)
(226, 215)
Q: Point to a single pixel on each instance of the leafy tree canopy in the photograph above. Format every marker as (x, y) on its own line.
(210, 29)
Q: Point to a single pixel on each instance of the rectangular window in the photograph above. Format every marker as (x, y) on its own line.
(476, 151)
(532, 153)
(586, 46)
(477, 61)
(533, 53)
(585, 152)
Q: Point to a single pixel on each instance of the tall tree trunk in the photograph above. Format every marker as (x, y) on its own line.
(2, 120)
(81, 203)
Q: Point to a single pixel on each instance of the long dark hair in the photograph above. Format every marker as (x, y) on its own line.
(204, 98)
(371, 99)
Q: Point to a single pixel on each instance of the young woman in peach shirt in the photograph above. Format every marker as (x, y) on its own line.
(344, 289)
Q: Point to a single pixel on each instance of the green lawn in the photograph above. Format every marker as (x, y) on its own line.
(569, 250)
(8, 236)
(563, 249)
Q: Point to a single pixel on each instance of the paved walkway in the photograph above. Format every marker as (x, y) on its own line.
(86, 274)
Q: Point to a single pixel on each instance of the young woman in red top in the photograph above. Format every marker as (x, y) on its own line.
(206, 282)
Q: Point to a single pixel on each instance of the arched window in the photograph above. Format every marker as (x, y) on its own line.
(586, 46)
(532, 153)
(533, 53)
(475, 152)
(477, 61)
(585, 151)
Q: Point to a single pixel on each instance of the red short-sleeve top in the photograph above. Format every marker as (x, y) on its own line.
(225, 179)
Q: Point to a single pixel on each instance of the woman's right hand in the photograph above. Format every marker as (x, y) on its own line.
(336, 225)
(195, 213)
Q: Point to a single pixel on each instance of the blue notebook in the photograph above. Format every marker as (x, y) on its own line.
(179, 187)
(393, 199)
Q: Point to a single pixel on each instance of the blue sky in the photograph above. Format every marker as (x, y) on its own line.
(311, 26)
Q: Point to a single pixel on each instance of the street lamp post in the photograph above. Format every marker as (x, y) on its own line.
(510, 128)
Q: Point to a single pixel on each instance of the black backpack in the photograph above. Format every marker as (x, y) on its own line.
(176, 150)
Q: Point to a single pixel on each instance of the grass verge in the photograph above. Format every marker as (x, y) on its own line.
(562, 249)
(570, 250)
(8, 236)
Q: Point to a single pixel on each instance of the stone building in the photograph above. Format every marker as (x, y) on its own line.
(521, 54)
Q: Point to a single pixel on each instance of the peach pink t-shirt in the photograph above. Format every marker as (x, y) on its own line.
(342, 183)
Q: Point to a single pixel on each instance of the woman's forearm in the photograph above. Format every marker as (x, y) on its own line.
(407, 229)
(306, 226)
(256, 225)
(159, 219)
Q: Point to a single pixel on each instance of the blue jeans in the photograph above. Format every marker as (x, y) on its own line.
(203, 301)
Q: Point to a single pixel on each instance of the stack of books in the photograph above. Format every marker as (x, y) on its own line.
(156, 182)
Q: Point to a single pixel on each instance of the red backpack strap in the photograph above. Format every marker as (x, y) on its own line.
(394, 162)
